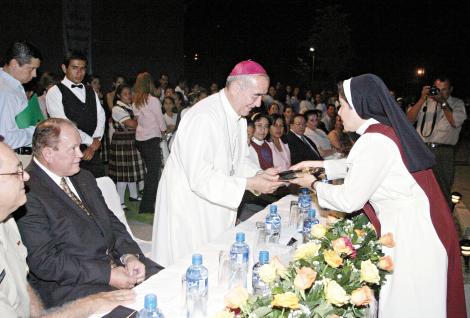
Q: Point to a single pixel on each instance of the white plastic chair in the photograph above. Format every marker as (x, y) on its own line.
(111, 196)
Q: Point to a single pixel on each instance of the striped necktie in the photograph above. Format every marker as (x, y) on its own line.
(66, 188)
(309, 145)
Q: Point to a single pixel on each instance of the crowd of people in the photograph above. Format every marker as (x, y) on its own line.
(217, 152)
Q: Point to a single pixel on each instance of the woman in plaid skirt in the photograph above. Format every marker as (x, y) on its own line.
(125, 164)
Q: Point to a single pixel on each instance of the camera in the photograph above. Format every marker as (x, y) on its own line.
(433, 91)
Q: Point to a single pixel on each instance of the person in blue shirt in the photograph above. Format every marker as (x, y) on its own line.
(22, 59)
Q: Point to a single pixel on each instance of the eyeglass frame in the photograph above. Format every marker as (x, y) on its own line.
(19, 173)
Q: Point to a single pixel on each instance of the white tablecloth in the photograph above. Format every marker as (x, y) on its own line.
(167, 284)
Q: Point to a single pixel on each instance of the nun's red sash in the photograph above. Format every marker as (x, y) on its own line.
(443, 224)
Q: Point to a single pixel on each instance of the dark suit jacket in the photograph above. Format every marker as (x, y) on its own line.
(299, 151)
(69, 252)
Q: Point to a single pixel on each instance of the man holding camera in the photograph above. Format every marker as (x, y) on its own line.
(439, 119)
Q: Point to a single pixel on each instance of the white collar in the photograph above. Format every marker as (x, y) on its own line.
(69, 83)
(258, 142)
(231, 114)
(362, 129)
(51, 174)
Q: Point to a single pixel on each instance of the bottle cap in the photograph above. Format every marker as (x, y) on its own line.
(150, 301)
(304, 190)
(263, 256)
(273, 208)
(197, 259)
(240, 237)
(312, 212)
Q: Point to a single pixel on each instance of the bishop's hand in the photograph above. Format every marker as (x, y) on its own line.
(266, 181)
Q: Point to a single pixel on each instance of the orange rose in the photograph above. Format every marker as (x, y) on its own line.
(304, 278)
(386, 263)
(332, 258)
(362, 296)
(236, 298)
(387, 240)
(359, 232)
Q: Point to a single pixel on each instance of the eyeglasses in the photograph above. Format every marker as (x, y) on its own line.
(19, 172)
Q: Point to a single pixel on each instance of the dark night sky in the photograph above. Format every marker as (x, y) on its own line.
(389, 38)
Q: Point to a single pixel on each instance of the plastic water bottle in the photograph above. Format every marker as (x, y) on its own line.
(150, 309)
(309, 222)
(273, 225)
(305, 202)
(259, 287)
(239, 253)
(196, 288)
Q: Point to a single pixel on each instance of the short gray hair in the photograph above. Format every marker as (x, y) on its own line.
(245, 80)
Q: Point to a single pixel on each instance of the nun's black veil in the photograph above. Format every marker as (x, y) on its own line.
(372, 99)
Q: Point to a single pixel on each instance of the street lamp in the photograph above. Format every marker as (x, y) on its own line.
(419, 75)
(312, 51)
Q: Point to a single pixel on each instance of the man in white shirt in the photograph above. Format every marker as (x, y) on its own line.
(79, 103)
(208, 169)
(439, 118)
(22, 59)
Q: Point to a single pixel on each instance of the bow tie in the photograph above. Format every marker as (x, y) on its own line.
(77, 85)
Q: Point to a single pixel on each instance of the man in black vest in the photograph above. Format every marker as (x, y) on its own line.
(72, 100)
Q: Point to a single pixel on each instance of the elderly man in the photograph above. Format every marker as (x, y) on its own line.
(17, 298)
(21, 62)
(208, 169)
(76, 246)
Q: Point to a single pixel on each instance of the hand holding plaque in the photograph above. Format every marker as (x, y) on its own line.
(317, 172)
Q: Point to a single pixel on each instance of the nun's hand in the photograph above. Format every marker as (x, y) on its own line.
(304, 181)
(307, 164)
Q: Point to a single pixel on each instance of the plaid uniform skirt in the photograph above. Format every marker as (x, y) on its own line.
(125, 162)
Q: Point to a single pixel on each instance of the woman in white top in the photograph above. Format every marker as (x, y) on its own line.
(280, 149)
(387, 173)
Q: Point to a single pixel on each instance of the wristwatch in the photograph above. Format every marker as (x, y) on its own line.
(124, 258)
(445, 105)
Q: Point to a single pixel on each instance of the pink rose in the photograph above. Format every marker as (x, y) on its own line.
(362, 296)
(386, 263)
(387, 240)
(343, 245)
(304, 278)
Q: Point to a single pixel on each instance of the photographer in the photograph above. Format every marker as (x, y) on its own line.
(439, 118)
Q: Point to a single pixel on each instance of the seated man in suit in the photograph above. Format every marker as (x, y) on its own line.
(76, 246)
(301, 147)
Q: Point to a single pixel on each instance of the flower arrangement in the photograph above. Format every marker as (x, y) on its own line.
(335, 274)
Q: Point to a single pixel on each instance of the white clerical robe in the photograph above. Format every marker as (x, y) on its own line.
(374, 171)
(197, 196)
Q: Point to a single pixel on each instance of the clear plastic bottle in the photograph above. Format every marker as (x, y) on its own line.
(239, 256)
(305, 202)
(259, 287)
(309, 222)
(273, 225)
(196, 288)
(150, 309)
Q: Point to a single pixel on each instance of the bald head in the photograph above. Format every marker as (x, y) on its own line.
(12, 194)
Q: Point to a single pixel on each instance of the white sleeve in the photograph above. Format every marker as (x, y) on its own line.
(55, 108)
(120, 115)
(197, 146)
(335, 169)
(369, 163)
(101, 118)
(458, 113)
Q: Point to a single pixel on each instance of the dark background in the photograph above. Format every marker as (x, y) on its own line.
(389, 38)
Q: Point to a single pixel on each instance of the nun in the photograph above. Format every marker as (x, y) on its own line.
(388, 175)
